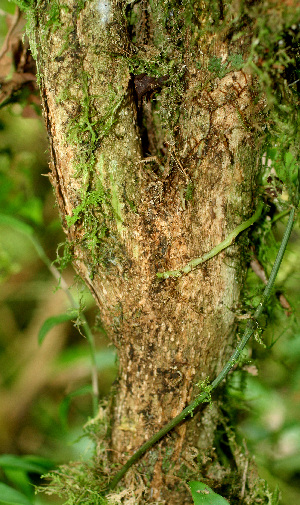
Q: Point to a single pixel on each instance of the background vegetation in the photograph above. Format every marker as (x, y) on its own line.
(45, 389)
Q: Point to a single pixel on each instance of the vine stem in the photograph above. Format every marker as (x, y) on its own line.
(216, 250)
(205, 395)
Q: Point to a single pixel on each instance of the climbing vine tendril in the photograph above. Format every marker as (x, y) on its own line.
(216, 250)
(205, 395)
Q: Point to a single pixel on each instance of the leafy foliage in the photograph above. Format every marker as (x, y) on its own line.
(204, 495)
(29, 464)
(10, 496)
(275, 59)
(51, 322)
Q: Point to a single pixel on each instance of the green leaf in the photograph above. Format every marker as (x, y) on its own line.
(272, 152)
(25, 463)
(54, 321)
(65, 404)
(204, 495)
(20, 480)
(11, 496)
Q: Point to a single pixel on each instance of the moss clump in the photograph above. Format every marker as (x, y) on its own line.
(91, 217)
(76, 483)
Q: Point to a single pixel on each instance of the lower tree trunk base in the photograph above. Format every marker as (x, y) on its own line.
(218, 459)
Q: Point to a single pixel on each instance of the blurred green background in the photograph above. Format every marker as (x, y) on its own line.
(45, 392)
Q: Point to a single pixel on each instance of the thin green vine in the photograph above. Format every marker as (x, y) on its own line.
(205, 395)
(216, 250)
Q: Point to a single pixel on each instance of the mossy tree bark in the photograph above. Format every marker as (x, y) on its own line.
(154, 156)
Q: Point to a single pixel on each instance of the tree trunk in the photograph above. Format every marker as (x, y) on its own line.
(154, 158)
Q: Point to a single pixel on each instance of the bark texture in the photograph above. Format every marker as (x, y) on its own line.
(150, 171)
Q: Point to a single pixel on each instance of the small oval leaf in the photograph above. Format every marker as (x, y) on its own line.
(204, 495)
(54, 321)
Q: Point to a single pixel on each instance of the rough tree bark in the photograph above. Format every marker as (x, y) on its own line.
(154, 153)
